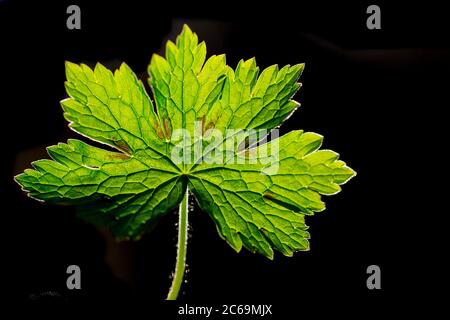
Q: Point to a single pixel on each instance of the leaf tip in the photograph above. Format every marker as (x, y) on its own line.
(18, 178)
(301, 66)
(69, 64)
(186, 28)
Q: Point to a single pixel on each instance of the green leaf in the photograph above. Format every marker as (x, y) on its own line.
(183, 84)
(257, 193)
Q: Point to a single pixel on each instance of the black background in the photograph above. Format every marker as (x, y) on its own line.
(373, 94)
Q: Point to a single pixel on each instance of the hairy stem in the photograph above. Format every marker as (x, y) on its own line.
(181, 249)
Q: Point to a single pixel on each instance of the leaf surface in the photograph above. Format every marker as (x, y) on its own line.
(258, 194)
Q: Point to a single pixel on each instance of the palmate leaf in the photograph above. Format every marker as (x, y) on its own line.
(252, 205)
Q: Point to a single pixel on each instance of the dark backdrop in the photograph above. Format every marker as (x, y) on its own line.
(373, 94)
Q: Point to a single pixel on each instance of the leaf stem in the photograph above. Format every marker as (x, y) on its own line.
(181, 248)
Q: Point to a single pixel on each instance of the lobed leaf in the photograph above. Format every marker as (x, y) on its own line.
(258, 197)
